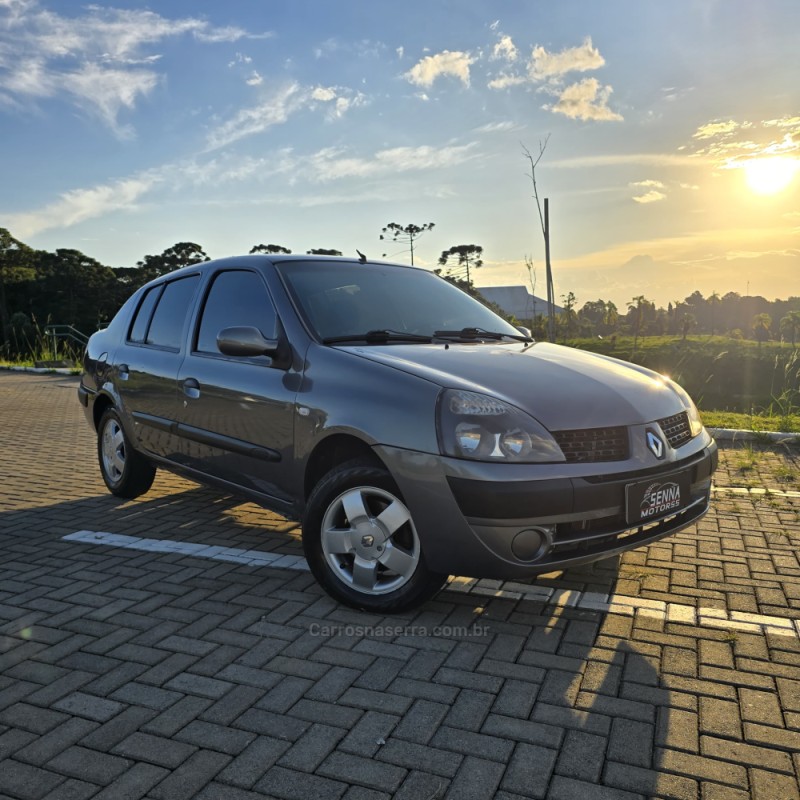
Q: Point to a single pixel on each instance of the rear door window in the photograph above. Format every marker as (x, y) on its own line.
(166, 328)
(236, 298)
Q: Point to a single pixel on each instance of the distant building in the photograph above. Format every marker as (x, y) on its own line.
(517, 300)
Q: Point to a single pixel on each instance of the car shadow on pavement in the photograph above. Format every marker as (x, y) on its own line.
(542, 699)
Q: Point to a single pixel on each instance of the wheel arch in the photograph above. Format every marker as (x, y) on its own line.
(101, 403)
(335, 449)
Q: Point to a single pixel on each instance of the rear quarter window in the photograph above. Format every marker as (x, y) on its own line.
(141, 319)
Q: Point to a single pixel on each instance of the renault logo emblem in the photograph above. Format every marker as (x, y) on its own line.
(367, 541)
(655, 444)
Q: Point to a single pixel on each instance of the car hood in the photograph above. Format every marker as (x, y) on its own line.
(560, 386)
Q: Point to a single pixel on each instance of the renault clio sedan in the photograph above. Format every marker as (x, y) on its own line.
(414, 432)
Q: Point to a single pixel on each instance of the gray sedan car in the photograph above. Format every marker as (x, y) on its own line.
(414, 432)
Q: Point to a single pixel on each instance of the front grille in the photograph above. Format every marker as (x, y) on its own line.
(676, 429)
(593, 444)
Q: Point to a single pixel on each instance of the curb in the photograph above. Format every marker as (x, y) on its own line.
(733, 435)
(42, 370)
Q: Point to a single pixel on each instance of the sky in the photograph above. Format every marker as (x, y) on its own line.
(671, 134)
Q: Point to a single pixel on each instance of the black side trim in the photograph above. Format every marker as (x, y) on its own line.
(159, 423)
(227, 443)
(290, 510)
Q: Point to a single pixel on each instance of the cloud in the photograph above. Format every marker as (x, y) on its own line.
(322, 167)
(648, 184)
(332, 163)
(96, 59)
(341, 100)
(505, 49)
(254, 79)
(712, 129)
(731, 144)
(323, 94)
(274, 110)
(240, 58)
(427, 70)
(497, 127)
(79, 205)
(783, 122)
(545, 65)
(650, 197)
(586, 100)
(503, 81)
(623, 159)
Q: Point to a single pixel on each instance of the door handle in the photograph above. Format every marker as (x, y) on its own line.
(191, 388)
(123, 372)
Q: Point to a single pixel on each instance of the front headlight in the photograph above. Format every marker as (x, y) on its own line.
(695, 423)
(480, 427)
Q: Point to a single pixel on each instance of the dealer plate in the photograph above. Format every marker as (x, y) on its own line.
(655, 498)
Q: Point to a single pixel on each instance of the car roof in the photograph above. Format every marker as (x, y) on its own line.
(269, 258)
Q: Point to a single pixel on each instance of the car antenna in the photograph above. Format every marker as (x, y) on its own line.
(361, 257)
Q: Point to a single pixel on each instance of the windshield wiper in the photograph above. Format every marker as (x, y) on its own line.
(378, 336)
(480, 333)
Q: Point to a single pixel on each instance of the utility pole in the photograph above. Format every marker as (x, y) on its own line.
(551, 299)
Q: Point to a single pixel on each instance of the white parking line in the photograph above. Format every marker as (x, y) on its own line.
(756, 491)
(640, 607)
(253, 558)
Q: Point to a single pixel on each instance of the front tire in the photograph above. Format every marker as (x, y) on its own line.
(361, 543)
(125, 472)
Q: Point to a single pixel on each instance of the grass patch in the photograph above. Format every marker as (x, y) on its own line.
(746, 460)
(786, 423)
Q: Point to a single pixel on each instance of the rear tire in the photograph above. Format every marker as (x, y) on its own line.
(361, 544)
(125, 472)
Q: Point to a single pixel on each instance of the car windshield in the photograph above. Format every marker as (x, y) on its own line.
(342, 300)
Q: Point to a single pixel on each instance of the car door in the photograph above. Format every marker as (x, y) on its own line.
(146, 365)
(236, 413)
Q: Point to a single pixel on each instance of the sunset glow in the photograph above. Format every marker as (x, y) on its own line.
(770, 175)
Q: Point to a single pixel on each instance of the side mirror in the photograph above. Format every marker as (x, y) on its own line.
(246, 342)
(524, 331)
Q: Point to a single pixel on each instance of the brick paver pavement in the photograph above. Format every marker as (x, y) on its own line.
(129, 673)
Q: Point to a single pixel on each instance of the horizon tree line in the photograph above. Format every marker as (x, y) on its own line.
(38, 287)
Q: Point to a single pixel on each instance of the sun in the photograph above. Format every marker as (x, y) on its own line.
(770, 175)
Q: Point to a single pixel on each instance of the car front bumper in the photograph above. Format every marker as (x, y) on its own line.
(518, 520)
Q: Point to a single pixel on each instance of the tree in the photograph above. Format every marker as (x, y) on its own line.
(322, 252)
(179, 255)
(544, 220)
(73, 288)
(568, 304)
(790, 324)
(269, 248)
(469, 257)
(687, 322)
(637, 306)
(714, 301)
(592, 313)
(611, 316)
(410, 233)
(15, 267)
(761, 325)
